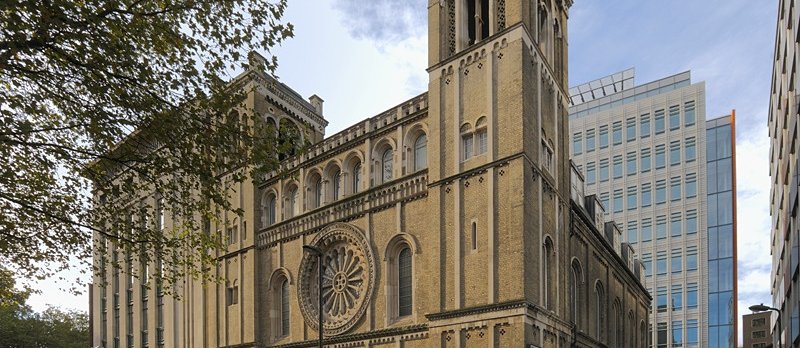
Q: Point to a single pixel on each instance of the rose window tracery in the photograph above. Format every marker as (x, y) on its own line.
(347, 281)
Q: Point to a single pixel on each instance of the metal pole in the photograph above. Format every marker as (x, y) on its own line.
(319, 292)
(318, 252)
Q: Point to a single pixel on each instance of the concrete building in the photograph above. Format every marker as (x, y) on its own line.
(756, 330)
(784, 170)
(454, 219)
(666, 176)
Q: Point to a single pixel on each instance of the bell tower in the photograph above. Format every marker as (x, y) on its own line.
(498, 150)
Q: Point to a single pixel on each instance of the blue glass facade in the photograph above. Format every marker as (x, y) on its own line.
(721, 234)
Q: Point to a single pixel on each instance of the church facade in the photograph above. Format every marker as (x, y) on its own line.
(454, 219)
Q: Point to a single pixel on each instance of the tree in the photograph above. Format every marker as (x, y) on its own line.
(103, 102)
(22, 327)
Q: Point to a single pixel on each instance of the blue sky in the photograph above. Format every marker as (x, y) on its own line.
(365, 56)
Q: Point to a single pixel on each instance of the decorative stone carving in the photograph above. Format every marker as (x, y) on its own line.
(348, 279)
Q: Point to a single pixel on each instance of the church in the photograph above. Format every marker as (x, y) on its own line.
(454, 219)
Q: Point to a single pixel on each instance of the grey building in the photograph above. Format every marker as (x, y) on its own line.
(783, 170)
(648, 153)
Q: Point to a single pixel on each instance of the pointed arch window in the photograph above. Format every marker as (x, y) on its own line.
(318, 192)
(404, 282)
(386, 165)
(269, 206)
(284, 295)
(337, 183)
(356, 177)
(293, 208)
(549, 274)
(600, 311)
(575, 281)
(421, 152)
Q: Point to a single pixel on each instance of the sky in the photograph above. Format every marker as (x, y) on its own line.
(365, 56)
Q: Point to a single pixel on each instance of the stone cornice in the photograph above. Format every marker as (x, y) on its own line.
(359, 336)
(495, 307)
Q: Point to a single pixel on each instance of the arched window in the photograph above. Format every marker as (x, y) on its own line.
(575, 280)
(467, 143)
(421, 152)
(642, 334)
(293, 207)
(549, 274)
(337, 184)
(631, 330)
(399, 277)
(620, 324)
(318, 192)
(284, 320)
(268, 206)
(386, 165)
(356, 177)
(481, 136)
(600, 311)
(404, 280)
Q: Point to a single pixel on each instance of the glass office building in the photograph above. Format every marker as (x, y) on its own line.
(650, 156)
(720, 217)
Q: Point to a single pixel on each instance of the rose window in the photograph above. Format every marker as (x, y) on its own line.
(347, 279)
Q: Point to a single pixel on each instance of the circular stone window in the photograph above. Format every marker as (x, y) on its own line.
(348, 278)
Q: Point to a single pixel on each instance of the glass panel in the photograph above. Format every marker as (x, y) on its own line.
(725, 279)
(712, 210)
(617, 167)
(659, 120)
(677, 334)
(677, 299)
(713, 309)
(482, 141)
(725, 241)
(645, 125)
(713, 276)
(467, 146)
(724, 141)
(674, 118)
(646, 163)
(647, 232)
(713, 244)
(661, 229)
(689, 114)
(724, 208)
(691, 297)
(631, 164)
(617, 133)
(676, 263)
(711, 144)
(724, 178)
(647, 197)
(691, 262)
(604, 136)
(590, 140)
(725, 315)
(713, 337)
(661, 265)
(630, 129)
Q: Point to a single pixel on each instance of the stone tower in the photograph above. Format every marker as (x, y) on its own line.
(498, 121)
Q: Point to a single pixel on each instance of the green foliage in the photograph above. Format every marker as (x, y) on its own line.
(21, 327)
(115, 101)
